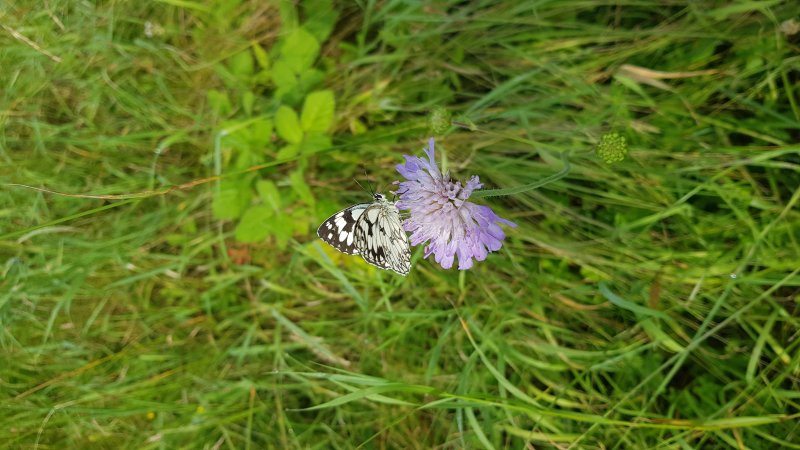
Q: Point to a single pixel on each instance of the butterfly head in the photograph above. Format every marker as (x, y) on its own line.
(379, 197)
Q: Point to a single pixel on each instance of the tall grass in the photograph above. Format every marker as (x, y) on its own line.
(647, 304)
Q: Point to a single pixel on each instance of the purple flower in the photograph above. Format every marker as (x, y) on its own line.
(442, 216)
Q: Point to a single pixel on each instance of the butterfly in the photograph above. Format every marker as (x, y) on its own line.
(372, 230)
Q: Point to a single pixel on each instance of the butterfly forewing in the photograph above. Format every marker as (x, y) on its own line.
(372, 230)
(339, 229)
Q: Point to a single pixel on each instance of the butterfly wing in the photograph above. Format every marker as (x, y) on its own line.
(381, 240)
(339, 229)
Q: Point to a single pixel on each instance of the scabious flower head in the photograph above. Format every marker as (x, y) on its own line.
(612, 148)
(441, 216)
(439, 120)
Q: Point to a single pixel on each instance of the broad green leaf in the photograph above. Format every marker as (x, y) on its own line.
(189, 226)
(262, 78)
(253, 226)
(308, 79)
(231, 199)
(219, 102)
(248, 156)
(261, 134)
(248, 98)
(237, 143)
(357, 127)
(300, 186)
(269, 194)
(281, 226)
(288, 151)
(222, 10)
(176, 239)
(241, 64)
(318, 110)
(262, 57)
(288, 15)
(288, 125)
(300, 221)
(313, 142)
(320, 18)
(283, 76)
(299, 49)
(291, 87)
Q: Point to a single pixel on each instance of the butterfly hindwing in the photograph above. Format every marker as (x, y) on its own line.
(381, 240)
(339, 229)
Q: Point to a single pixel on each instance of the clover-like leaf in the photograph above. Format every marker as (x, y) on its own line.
(288, 125)
(318, 111)
(253, 226)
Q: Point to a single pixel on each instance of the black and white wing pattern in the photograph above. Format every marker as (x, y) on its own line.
(372, 230)
(339, 229)
(381, 240)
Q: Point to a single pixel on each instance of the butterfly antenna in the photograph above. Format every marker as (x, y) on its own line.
(359, 184)
(372, 192)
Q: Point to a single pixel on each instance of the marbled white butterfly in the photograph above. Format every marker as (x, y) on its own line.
(372, 230)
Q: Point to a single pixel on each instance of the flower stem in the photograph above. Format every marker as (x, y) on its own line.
(524, 188)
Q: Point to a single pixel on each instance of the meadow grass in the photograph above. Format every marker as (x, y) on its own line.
(651, 303)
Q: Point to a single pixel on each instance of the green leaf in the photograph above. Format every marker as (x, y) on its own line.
(300, 220)
(289, 151)
(313, 142)
(241, 64)
(288, 125)
(308, 79)
(300, 186)
(248, 98)
(284, 77)
(281, 227)
(269, 194)
(357, 126)
(247, 157)
(288, 15)
(318, 111)
(231, 199)
(219, 102)
(262, 57)
(299, 49)
(262, 78)
(290, 86)
(320, 18)
(189, 226)
(253, 226)
(261, 133)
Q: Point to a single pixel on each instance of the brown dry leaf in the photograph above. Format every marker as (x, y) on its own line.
(653, 77)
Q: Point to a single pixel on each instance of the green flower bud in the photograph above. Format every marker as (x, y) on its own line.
(612, 148)
(439, 120)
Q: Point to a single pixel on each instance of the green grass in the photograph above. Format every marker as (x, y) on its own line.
(652, 303)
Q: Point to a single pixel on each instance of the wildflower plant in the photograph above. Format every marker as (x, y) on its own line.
(441, 215)
(612, 148)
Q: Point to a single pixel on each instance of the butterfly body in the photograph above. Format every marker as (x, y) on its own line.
(372, 230)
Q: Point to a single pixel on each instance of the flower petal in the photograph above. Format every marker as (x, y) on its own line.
(441, 218)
